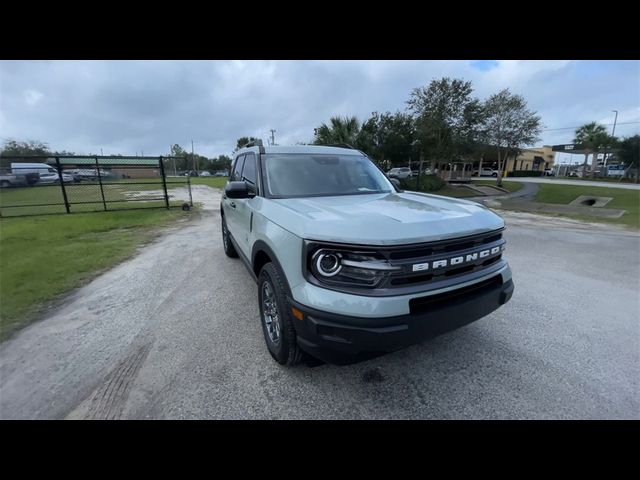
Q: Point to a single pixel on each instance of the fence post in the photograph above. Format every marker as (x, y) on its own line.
(164, 183)
(189, 183)
(104, 203)
(64, 189)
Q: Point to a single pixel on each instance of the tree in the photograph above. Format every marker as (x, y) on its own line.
(339, 130)
(628, 152)
(179, 163)
(508, 126)
(13, 148)
(223, 162)
(392, 137)
(347, 130)
(592, 137)
(446, 116)
(242, 141)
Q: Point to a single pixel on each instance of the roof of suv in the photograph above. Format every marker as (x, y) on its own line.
(317, 149)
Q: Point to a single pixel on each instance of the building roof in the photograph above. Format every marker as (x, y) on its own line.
(115, 161)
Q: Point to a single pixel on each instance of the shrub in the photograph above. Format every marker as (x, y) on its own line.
(428, 183)
(525, 173)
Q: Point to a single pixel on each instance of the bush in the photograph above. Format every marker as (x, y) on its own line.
(525, 173)
(428, 183)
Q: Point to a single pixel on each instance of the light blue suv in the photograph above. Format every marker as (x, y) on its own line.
(348, 266)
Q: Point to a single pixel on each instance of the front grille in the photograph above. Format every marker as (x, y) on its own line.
(423, 266)
(406, 256)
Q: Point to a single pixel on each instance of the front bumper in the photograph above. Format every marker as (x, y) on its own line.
(336, 338)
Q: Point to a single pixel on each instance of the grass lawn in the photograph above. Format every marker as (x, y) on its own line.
(510, 186)
(216, 182)
(42, 257)
(86, 196)
(456, 192)
(628, 200)
(600, 179)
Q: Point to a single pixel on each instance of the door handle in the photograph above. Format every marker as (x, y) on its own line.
(232, 205)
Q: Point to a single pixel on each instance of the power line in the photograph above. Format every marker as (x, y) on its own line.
(571, 128)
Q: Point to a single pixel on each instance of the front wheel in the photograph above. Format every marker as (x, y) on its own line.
(277, 323)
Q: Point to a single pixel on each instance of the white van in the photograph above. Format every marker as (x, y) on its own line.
(47, 173)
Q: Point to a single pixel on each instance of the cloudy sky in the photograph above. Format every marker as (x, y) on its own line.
(128, 107)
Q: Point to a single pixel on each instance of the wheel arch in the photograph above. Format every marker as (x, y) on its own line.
(261, 254)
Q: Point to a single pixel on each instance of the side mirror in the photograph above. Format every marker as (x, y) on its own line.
(237, 190)
(396, 183)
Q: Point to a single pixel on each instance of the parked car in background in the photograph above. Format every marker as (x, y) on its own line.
(486, 172)
(205, 174)
(87, 174)
(223, 173)
(47, 174)
(8, 179)
(549, 172)
(401, 172)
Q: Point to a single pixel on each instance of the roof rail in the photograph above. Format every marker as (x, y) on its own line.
(341, 145)
(254, 143)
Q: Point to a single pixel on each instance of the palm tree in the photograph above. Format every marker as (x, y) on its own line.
(339, 130)
(592, 136)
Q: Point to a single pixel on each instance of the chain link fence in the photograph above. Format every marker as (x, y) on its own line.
(72, 184)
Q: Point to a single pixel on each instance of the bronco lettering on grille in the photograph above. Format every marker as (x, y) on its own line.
(458, 260)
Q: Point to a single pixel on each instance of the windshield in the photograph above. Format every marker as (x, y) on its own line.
(307, 175)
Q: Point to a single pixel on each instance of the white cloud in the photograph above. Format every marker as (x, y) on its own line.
(129, 106)
(31, 97)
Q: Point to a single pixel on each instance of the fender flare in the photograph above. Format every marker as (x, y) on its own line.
(262, 246)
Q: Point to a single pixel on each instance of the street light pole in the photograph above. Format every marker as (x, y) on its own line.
(613, 133)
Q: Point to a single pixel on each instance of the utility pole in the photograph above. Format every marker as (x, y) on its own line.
(606, 147)
(273, 140)
(195, 167)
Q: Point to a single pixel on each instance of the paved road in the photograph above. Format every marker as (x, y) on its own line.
(174, 333)
(562, 181)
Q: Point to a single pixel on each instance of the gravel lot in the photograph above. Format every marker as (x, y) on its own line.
(174, 333)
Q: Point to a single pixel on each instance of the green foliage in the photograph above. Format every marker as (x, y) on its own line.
(447, 118)
(30, 147)
(393, 137)
(592, 136)
(526, 173)
(339, 130)
(628, 151)
(428, 183)
(242, 141)
(508, 125)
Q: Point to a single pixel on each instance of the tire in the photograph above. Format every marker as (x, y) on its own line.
(229, 249)
(5, 184)
(284, 349)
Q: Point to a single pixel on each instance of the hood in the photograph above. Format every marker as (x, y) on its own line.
(382, 219)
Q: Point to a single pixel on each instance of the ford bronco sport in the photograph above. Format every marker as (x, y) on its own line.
(347, 264)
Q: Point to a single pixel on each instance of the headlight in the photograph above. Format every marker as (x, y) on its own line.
(328, 263)
(349, 268)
